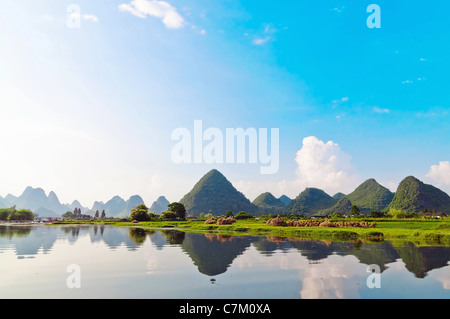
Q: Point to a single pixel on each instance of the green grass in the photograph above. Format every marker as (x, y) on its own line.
(420, 231)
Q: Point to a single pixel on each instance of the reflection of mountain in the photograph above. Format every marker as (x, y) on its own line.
(29, 240)
(213, 254)
(26, 240)
(418, 260)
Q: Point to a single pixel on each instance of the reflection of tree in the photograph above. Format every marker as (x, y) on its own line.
(17, 231)
(213, 253)
(137, 235)
(174, 237)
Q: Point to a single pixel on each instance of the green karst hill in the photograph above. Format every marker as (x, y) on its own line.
(269, 204)
(310, 202)
(214, 194)
(414, 196)
(369, 196)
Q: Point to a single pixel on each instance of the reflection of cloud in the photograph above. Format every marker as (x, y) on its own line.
(334, 277)
(443, 276)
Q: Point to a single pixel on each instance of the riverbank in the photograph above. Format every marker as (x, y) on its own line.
(421, 232)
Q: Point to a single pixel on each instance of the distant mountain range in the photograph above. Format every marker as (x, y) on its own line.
(36, 200)
(160, 205)
(213, 193)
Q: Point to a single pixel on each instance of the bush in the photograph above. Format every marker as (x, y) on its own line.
(139, 213)
(397, 213)
(168, 215)
(375, 236)
(243, 215)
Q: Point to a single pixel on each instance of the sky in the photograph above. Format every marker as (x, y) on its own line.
(92, 91)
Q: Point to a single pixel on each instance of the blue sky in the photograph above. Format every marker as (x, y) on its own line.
(88, 112)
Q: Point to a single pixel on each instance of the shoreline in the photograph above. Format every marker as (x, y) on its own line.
(420, 232)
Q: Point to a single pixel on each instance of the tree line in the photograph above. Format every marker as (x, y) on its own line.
(76, 214)
(14, 214)
(175, 211)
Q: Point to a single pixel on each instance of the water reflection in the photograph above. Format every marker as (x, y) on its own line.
(323, 267)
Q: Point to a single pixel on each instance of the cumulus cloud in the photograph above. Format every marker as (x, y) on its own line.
(90, 17)
(440, 173)
(324, 165)
(159, 9)
(320, 164)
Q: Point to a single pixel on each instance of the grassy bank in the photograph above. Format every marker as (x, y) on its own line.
(419, 231)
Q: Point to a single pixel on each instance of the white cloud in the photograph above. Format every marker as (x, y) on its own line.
(265, 36)
(319, 164)
(407, 82)
(261, 41)
(324, 165)
(341, 100)
(440, 173)
(159, 9)
(380, 110)
(338, 10)
(90, 17)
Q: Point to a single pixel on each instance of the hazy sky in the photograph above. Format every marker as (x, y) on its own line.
(89, 98)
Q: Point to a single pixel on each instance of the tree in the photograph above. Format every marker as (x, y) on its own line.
(377, 214)
(103, 214)
(354, 210)
(169, 215)
(228, 213)
(68, 215)
(23, 214)
(178, 209)
(139, 213)
(337, 215)
(243, 215)
(97, 214)
(4, 213)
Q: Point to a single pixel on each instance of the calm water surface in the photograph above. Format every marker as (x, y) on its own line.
(120, 262)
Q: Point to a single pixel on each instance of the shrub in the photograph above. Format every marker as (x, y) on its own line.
(243, 215)
(169, 215)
